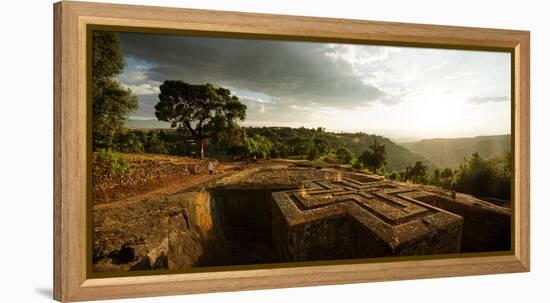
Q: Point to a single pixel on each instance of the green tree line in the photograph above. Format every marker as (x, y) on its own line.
(481, 177)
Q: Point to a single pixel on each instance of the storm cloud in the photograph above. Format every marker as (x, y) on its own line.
(290, 71)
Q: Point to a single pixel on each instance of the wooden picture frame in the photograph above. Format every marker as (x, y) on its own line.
(71, 21)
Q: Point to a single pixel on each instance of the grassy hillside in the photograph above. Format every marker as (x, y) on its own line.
(451, 152)
(397, 157)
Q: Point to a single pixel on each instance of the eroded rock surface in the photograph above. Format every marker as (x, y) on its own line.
(173, 233)
(281, 213)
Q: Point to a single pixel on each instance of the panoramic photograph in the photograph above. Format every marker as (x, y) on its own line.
(214, 151)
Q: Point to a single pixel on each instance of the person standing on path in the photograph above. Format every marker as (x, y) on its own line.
(210, 167)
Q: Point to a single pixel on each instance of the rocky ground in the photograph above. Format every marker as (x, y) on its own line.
(167, 212)
(150, 174)
(159, 216)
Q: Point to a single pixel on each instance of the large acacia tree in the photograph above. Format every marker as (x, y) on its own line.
(205, 110)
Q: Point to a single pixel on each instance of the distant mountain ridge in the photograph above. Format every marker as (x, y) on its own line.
(451, 152)
(146, 124)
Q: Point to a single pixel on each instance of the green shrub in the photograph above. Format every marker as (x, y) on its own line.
(417, 173)
(344, 155)
(485, 177)
(312, 154)
(129, 141)
(155, 145)
(112, 162)
(357, 165)
(274, 154)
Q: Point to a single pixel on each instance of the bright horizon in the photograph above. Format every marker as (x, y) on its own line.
(397, 92)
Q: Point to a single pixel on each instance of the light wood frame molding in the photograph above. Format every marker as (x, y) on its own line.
(70, 146)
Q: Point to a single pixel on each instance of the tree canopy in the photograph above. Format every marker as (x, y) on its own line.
(344, 155)
(485, 177)
(203, 109)
(375, 157)
(417, 173)
(110, 102)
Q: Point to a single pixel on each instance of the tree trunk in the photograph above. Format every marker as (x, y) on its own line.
(200, 147)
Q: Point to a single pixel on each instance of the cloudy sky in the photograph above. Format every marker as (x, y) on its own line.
(398, 92)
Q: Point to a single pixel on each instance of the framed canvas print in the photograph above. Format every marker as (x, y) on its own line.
(201, 151)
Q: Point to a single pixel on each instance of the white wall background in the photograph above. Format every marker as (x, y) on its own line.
(26, 149)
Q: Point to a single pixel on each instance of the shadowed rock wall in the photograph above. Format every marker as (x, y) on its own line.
(486, 227)
(246, 220)
(173, 233)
